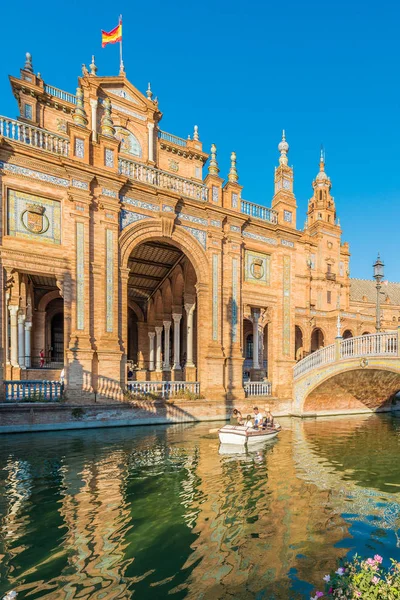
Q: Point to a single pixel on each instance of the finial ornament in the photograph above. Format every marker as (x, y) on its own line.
(233, 175)
(107, 125)
(283, 148)
(93, 68)
(85, 71)
(322, 159)
(28, 62)
(149, 93)
(79, 117)
(196, 133)
(213, 165)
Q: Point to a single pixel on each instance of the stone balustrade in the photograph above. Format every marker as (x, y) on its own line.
(33, 391)
(259, 212)
(173, 139)
(162, 179)
(257, 388)
(33, 136)
(57, 93)
(163, 389)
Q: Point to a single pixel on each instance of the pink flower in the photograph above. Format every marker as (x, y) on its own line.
(370, 562)
(375, 579)
(317, 595)
(327, 578)
(378, 558)
(330, 590)
(358, 594)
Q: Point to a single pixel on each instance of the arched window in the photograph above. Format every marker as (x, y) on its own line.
(320, 194)
(317, 339)
(347, 334)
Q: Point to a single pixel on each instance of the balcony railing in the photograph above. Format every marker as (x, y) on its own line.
(173, 139)
(162, 179)
(259, 212)
(33, 391)
(163, 389)
(316, 359)
(57, 93)
(33, 136)
(374, 344)
(258, 388)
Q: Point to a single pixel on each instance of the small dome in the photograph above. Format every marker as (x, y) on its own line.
(322, 176)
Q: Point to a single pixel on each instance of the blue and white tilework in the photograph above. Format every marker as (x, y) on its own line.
(16, 170)
(127, 217)
(79, 150)
(235, 200)
(82, 185)
(234, 299)
(80, 276)
(109, 280)
(287, 243)
(201, 236)
(287, 216)
(167, 208)
(257, 267)
(109, 157)
(33, 217)
(192, 219)
(109, 193)
(260, 238)
(215, 223)
(214, 194)
(141, 204)
(215, 260)
(235, 228)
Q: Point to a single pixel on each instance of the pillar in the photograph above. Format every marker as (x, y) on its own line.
(6, 331)
(189, 334)
(13, 308)
(158, 348)
(256, 339)
(93, 107)
(151, 350)
(28, 327)
(21, 340)
(167, 329)
(150, 127)
(177, 354)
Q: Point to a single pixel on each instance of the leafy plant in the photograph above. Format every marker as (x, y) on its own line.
(366, 579)
(77, 412)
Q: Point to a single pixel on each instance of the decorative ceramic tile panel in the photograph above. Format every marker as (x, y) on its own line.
(82, 185)
(109, 280)
(127, 217)
(286, 305)
(80, 276)
(34, 217)
(235, 200)
(198, 172)
(109, 215)
(235, 228)
(129, 142)
(122, 94)
(341, 269)
(287, 243)
(79, 149)
(312, 258)
(214, 193)
(79, 207)
(260, 238)
(191, 218)
(167, 208)
(122, 109)
(215, 260)
(215, 223)
(201, 236)
(16, 170)
(141, 204)
(109, 157)
(28, 111)
(234, 298)
(257, 267)
(287, 216)
(109, 193)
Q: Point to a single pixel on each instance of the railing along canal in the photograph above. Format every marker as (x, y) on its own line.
(162, 179)
(33, 391)
(374, 344)
(258, 211)
(163, 389)
(33, 136)
(258, 388)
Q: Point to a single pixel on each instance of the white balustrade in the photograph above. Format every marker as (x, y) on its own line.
(258, 388)
(33, 391)
(162, 179)
(60, 94)
(313, 361)
(33, 136)
(168, 137)
(258, 211)
(163, 389)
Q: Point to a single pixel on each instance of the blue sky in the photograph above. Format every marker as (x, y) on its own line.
(327, 72)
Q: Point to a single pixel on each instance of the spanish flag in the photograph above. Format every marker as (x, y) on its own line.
(113, 36)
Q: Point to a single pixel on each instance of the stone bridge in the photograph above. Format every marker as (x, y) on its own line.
(357, 374)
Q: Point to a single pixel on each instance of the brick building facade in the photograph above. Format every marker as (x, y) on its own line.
(123, 249)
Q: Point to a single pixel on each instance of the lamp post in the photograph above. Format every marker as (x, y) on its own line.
(378, 276)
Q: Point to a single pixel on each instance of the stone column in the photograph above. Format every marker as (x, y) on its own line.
(6, 332)
(256, 316)
(158, 348)
(93, 106)
(189, 334)
(21, 340)
(177, 326)
(151, 350)
(150, 127)
(28, 327)
(167, 329)
(13, 308)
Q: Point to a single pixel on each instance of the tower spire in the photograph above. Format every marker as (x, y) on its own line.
(322, 159)
(233, 176)
(213, 164)
(283, 148)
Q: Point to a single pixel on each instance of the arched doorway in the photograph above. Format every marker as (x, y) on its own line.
(298, 343)
(57, 338)
(317, 339)
(347, 334)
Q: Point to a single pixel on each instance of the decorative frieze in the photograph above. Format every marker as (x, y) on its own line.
(109, 193)
(286, 305)
(127, 217)
(167, 208)
(260, 238)
(82, 185)
(17, 170)
(33, 217)
(235, 228)
(215, 223)
(199, 234)
(109, 280)
(215, 261)
(80, 276)
(141, 204)
(287, 243)
(192, 219)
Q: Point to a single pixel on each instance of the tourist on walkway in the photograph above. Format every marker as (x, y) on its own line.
(41, 355)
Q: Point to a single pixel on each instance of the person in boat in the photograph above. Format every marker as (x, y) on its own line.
(268, 421)
(258, 417)
(236, 417)
(248, 421)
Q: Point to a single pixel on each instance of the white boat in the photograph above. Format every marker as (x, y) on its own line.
(238, 434)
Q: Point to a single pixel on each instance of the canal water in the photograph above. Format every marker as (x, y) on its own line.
(165, 513)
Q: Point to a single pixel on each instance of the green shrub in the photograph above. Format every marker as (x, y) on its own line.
(365, 579)
(77, 412)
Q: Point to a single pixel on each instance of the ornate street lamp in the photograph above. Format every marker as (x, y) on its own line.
(378, 276)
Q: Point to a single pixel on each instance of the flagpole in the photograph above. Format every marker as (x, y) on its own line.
(121, 62)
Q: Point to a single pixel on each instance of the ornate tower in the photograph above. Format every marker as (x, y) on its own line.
(321, 207)
(284, 201)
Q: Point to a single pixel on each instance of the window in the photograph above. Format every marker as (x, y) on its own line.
(28, 111)
(329, 297)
